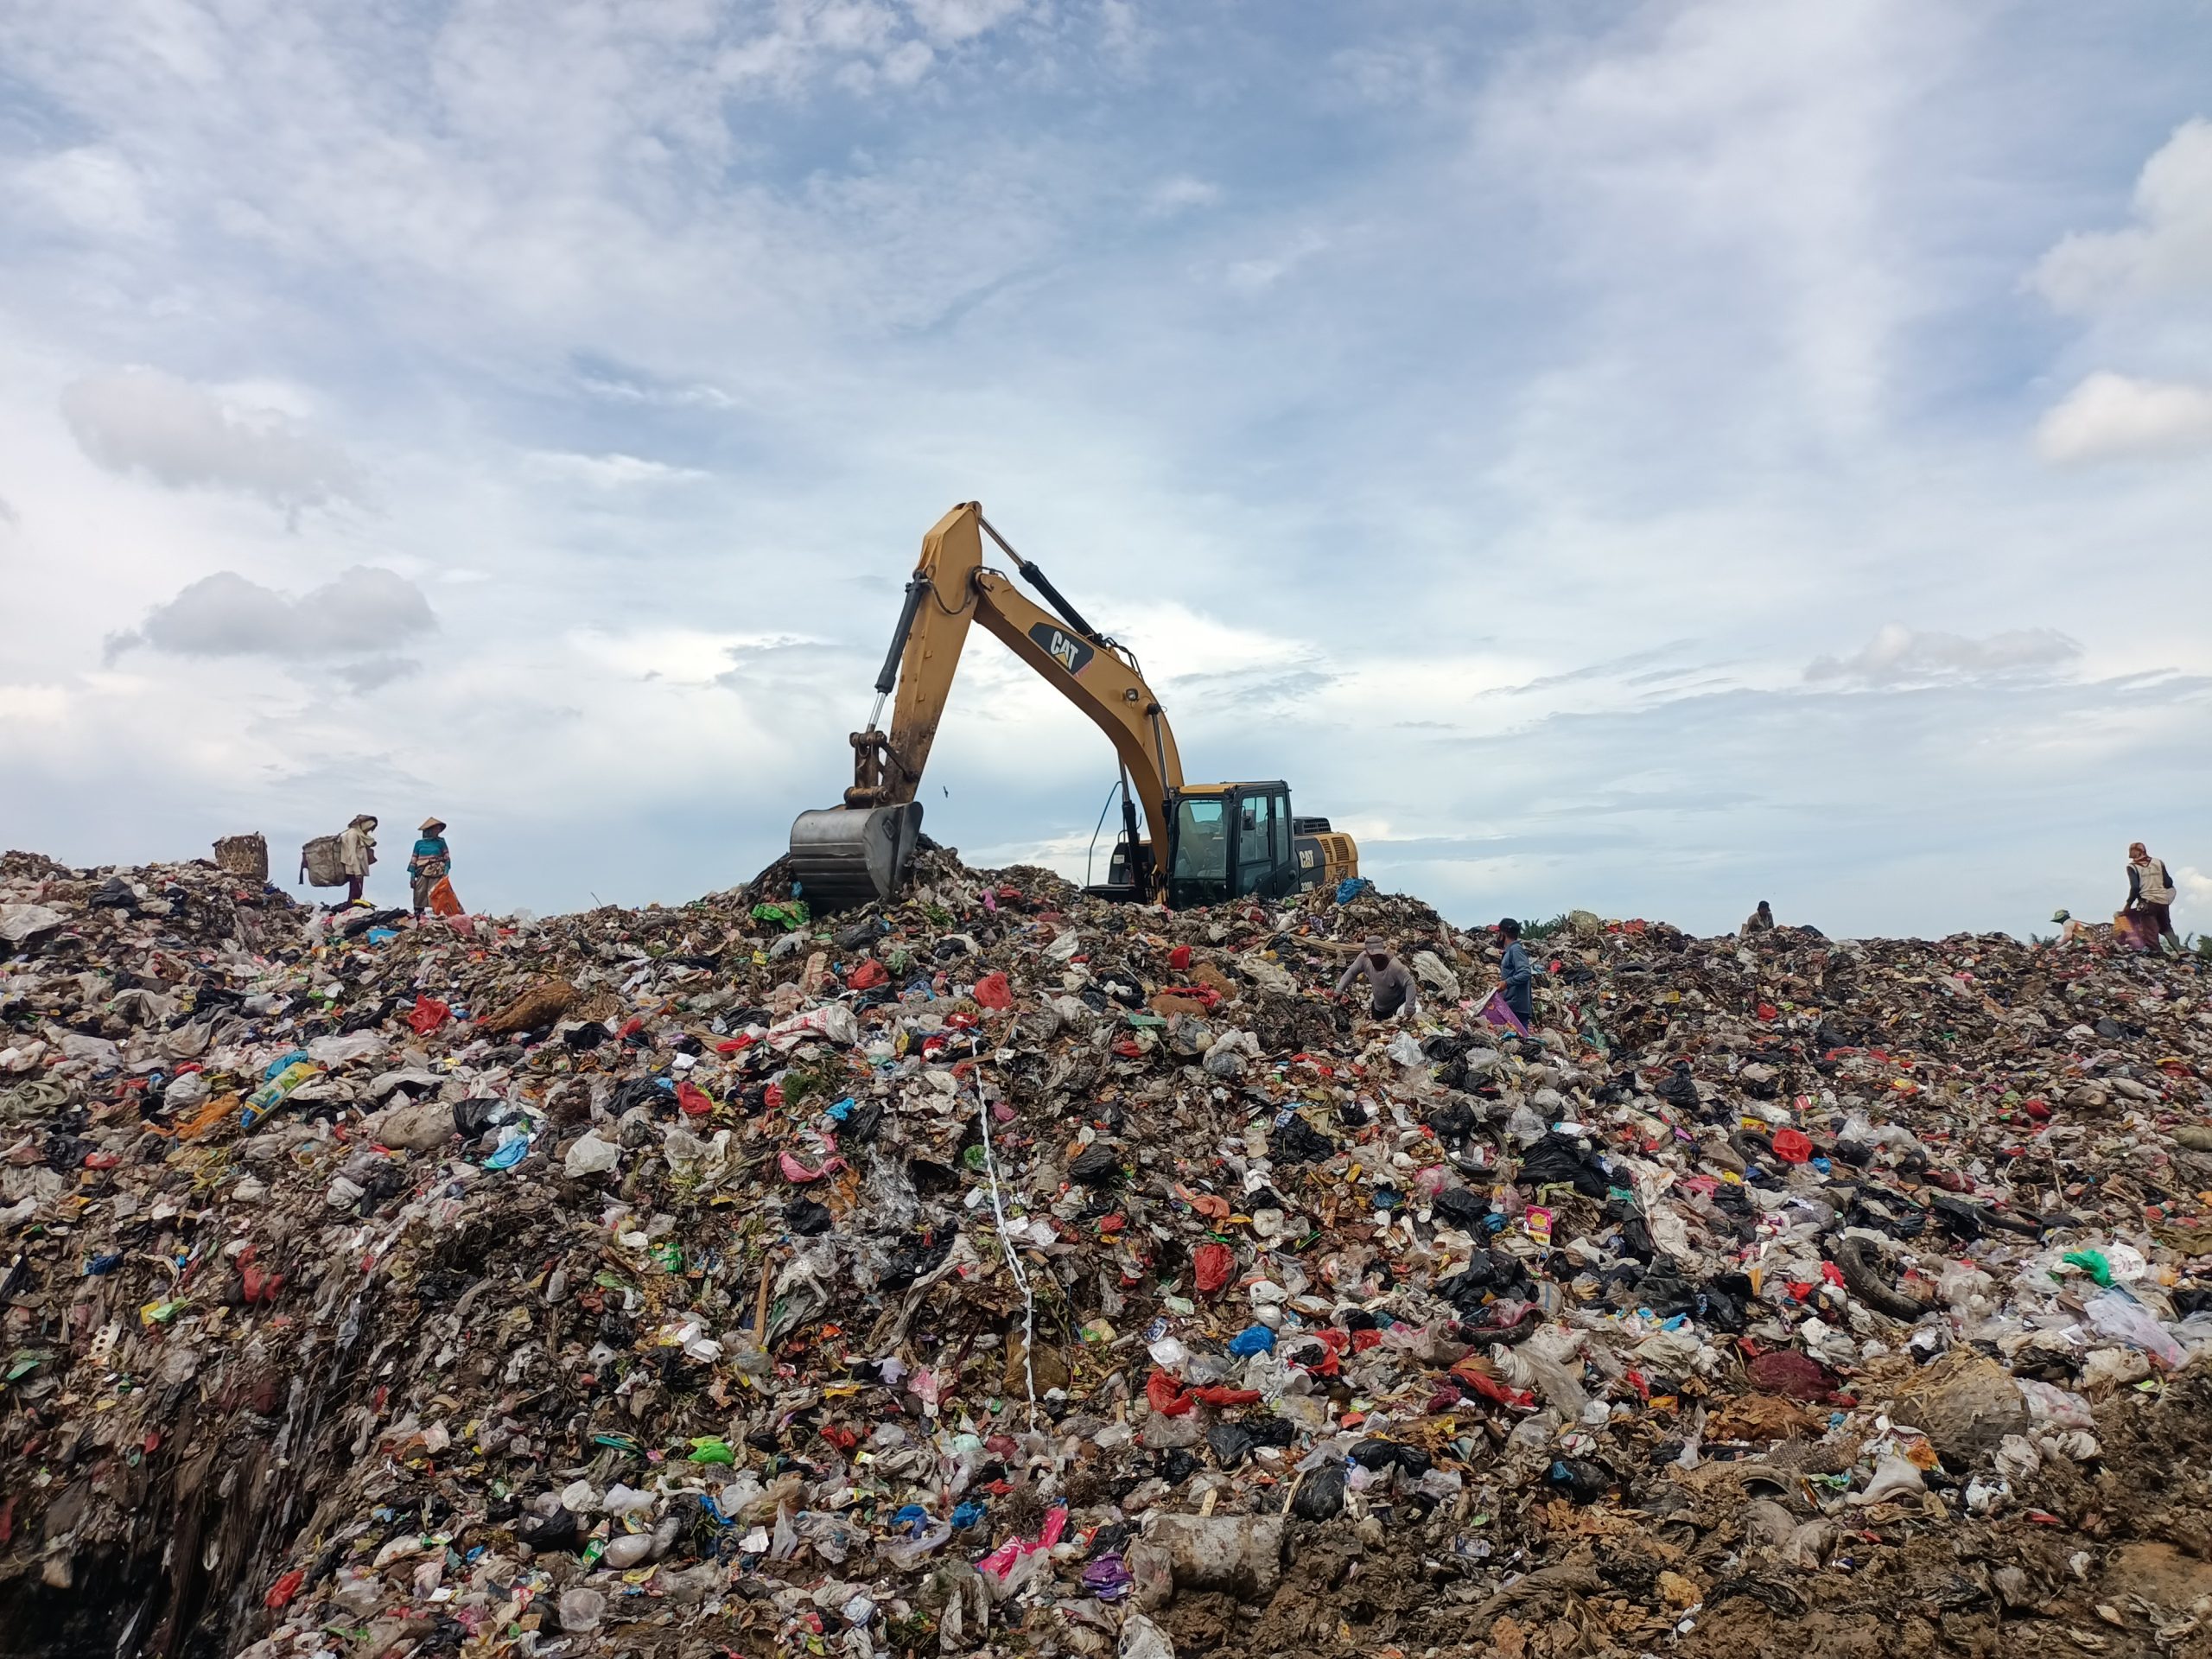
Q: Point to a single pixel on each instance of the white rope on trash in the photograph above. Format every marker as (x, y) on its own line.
(1006, 1244)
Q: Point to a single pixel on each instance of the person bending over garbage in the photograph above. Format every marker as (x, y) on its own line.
(1512, 968)
(357, 850)
(2150, 895)
(1760, 921)
(1390, 981)
(430, 863)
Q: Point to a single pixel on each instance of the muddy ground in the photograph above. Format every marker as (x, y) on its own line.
(2115, 1561)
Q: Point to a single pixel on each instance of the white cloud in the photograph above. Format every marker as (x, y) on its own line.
(962, 20)
(1120, 25)
(856, 43)
(2167, 250)
(1399, 75)
(1257, 275)
(371, 673)
(681, 655)
(366, 609)
(1731, 183)
(91, 187)
(140, 420)
(2196, 891)
(1181, 195)
(43, 704)
(1901, 655)
(2112, 416)
(612, 471)
(364, 612)
(627, 389)
(907, 62)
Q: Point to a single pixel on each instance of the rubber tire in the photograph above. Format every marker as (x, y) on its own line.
(1867, 1283)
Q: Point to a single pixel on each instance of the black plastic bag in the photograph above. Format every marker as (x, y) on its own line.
(1578, 1480)
(1374, 1454)
(1296, 1141)
(559, 1530)
(1558, 1160)
(1230, 1443)
(1096, 1166)
(472, 1117)
(1321, 1494)
(1460, 1208)
(1454, 1121)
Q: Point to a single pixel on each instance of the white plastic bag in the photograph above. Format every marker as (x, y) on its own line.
(591, 1156)
(1142, 1639)
(2120, 1317)
(831, 1023)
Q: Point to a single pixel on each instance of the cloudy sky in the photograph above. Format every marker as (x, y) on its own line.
(1649, 457)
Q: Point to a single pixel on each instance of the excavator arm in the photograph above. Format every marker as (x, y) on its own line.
(850, 854)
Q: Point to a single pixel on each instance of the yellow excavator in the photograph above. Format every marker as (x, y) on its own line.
(1201, 843)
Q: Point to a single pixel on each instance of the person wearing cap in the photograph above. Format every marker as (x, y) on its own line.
(2071, 928)
(430, 862)
(1513, 968)
(1391, 984)
(357, 850)
(1760, 921)
(2150, 893)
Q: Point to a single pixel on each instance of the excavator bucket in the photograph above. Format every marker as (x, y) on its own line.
(843, 856)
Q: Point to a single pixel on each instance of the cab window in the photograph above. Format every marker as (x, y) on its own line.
(1202, 840)
(1256, 842)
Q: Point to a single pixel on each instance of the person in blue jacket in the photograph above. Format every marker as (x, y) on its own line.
(430, 862)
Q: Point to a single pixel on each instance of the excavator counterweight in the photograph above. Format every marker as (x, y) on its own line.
(1241, 837)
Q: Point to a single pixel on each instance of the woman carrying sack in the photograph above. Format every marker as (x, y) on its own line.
(357, 851)
(2151, 896)
(430, 863)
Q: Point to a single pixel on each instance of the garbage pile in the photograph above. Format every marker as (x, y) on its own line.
(1004, 1270)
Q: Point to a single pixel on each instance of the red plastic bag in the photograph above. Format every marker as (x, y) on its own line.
(443, 900)
(1792, 1145)
(869, 974)
(1220, 1394)
(1214, 1264)
(429, 1013)
(1166, 1395)
(1179, 957)
(992, 991)
(1491, 1388)
(693, 1099)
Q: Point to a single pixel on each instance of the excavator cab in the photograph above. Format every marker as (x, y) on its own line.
(1234, 840)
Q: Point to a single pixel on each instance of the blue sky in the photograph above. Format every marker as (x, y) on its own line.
(1651, 457)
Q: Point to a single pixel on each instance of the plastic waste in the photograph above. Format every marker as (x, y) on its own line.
(1142, 1639)
(2120, 1317)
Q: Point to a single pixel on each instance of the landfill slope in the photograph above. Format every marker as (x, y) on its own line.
(1000, 1270)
